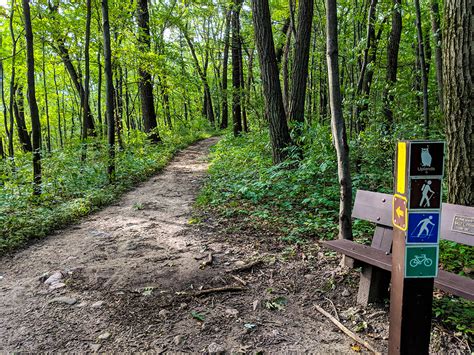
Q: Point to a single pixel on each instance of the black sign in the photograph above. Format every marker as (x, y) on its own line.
(425, 193)
(426, 158)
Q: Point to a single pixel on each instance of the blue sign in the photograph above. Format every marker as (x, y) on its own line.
(423, 227)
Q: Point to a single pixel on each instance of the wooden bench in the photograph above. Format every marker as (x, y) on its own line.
(376, 260)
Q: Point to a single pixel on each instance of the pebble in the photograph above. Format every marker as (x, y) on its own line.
(164, 313)
(215, 348)
(95, 347)
(345, 293)
(178, 340)
(54, 278)
(67, 300)
(104, 336)
(97, 304)
(232, 312)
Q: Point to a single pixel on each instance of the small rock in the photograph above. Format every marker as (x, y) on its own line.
(104, 336)
(239, 263)
(345, 293)
(178, 340)
(215, 348)
(97, 304)
(95, 347)
(183, 305)
(164, 313)
(57, 285)
(309, 276)
(82, 304)
(232, 312)
(67, 300)
(54, 278)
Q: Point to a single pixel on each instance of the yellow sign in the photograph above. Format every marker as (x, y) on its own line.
(401, 167)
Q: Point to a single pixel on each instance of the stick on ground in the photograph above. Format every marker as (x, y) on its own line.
(346, 331)
(219, 289)
(246, 266)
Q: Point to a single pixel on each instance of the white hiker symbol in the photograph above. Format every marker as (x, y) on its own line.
(425, 157)
(425, 191)
(424, 229)
(421, 259)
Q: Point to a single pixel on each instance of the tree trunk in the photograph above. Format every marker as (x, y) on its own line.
(392, 65)
(436, 28)
(146, 85)
(424, 74)
(109, 91)
(46, 105)
(279, 134)
(458, 72)
(236, 70)
(58, 108)
(85, 101)
(337, 123)
(19, 109)
(5, 122)
(225, 60)
(12, 82)
(35, 120)
(299, 74)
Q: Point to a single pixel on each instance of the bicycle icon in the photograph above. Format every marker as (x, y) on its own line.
(421, 259)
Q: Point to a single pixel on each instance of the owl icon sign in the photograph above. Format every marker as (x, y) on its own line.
(426, 159)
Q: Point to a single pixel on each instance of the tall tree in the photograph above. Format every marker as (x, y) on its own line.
(300, 61)
(275, 111)
(337, 123)
(392, 65)
(225, 60)
(109, 90)
(436, 28)
(423, 69)
(146, 85)
(34, 113)
(236, 69)
(85, 101)
(458, 72)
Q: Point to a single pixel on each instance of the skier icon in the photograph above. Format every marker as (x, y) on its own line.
(426, 227)
(426, 194)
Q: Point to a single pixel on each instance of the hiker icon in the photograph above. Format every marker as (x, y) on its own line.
(425, 227)
(426, 194)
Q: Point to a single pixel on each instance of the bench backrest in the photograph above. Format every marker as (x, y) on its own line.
(376, 207)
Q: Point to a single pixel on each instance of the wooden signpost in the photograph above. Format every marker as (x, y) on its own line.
(416, 214)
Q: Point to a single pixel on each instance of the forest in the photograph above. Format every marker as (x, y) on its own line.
(301, 104)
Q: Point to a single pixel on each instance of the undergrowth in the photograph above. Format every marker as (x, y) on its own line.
(300, 197)
(72, 189)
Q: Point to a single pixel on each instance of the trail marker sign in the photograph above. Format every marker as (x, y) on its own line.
(426, 158)
(423, 227)
(400, 212)
(425, 193)
(421, 261)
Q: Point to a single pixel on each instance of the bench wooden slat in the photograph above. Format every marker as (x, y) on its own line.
(446, 281)
(361, 252)
(375, 207)
(455, 284)
(447, 217)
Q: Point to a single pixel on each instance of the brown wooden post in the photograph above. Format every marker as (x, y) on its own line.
(415, 249)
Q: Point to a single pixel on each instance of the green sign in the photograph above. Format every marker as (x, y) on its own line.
(421, 261)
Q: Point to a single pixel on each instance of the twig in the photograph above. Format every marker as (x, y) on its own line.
(219, 289)
(246, 266)
(239, 280)
(345, 330)
(334, 307)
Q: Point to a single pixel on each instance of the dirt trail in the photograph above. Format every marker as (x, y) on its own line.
(128, 278)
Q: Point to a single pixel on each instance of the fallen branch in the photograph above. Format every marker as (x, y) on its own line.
(246, 266)
(239, 280)
(345, 330)
(219, 289)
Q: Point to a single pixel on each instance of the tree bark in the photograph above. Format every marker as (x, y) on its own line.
(299, 74)
(146, 86)
(423, 69)
(85, 101)
(337, 123)
(279, 134)
(392, 65)
(46, 104)
(109, 90)
(436, 28)
(236, 70)
(34, 113)
(19, 110)
(225, 60)
(458, 72)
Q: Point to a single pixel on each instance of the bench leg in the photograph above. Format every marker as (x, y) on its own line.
(373, 285)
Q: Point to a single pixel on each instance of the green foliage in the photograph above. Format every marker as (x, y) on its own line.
(455, 313)
(72, 189)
